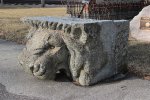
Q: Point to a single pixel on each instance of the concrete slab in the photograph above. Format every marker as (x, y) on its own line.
(25, 87)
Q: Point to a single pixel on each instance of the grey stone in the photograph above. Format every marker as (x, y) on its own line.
(45, 54)
(91, 50)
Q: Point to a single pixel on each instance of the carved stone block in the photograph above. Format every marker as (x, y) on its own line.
(91, 50)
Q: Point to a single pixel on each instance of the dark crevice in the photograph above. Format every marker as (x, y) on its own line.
(62, 77)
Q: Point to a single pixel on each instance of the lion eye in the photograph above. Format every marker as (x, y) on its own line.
(52, 47)
(39, 51)
(48, 46)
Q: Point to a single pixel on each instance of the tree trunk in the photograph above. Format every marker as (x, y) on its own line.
(2, 2)
(43, 3)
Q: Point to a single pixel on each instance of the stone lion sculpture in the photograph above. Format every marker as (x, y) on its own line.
(87, 50)
(45, 54)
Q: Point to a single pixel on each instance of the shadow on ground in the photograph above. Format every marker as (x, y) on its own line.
(139, 58)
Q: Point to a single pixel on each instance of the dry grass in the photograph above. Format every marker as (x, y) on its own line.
(12, 29)
(139, 58)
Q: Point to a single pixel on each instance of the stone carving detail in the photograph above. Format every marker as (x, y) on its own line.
(45, 54)
(87, 50)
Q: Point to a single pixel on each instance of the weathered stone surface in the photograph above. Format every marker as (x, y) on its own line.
(135, 31)
(97, 51)
(91, 50)
(45, 54)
